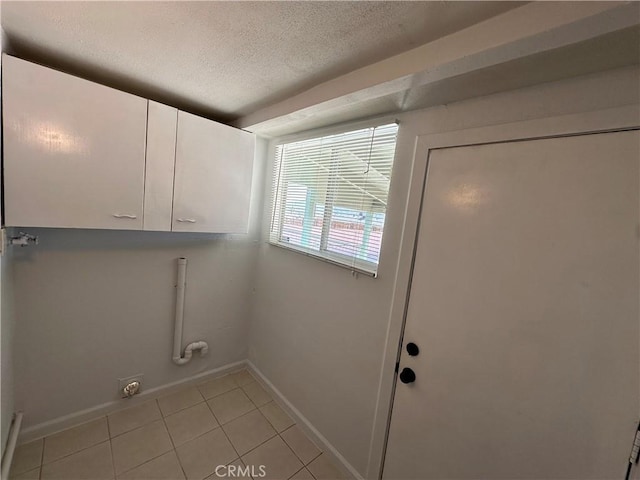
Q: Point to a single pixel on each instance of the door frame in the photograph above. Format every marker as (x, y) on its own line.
(600, 121)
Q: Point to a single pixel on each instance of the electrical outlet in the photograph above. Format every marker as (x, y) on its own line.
(123, 382)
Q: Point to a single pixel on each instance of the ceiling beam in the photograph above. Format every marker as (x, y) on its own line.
(531, 29)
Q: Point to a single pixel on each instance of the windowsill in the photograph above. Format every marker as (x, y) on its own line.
(332, 261)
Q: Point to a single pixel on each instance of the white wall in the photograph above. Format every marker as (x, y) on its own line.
(6, 328)
(318, 333)
(94, 305)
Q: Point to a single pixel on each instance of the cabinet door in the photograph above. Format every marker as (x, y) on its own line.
(161, 154)
(74, 151)
(212, 188)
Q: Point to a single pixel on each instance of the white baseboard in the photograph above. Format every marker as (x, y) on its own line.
(305, 425)
(50, 427)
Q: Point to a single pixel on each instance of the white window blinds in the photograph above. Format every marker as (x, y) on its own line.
(330, 195)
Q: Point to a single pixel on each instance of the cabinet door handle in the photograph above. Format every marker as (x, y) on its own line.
(186, 220)
(124, 215)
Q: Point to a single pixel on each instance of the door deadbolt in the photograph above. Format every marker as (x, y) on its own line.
(407, 375)
(412, 349)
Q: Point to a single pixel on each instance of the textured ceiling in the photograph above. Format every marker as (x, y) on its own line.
(616, 50)
(226, 59)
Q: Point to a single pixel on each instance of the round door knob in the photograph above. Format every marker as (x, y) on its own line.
(412, 349)
(407, 376)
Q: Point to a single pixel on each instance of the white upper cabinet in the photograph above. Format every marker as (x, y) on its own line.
(161, 154)
(81, 155)
(74, 151)
(213, 169)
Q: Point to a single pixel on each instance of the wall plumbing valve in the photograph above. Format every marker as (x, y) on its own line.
(130, 389)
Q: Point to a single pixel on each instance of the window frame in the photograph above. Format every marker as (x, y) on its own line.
(275, 206)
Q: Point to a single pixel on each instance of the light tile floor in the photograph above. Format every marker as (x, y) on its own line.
(229, 421)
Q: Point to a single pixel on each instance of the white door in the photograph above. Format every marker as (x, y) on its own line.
(524, 308)
(214, 164)
(74, 151)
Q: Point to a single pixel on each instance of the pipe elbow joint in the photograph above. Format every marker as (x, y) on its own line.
(181, 360)
(188, 352)
(203, 347)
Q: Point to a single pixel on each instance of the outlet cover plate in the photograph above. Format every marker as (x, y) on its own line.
(123, 382)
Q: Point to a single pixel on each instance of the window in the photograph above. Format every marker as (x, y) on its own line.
(330, 195)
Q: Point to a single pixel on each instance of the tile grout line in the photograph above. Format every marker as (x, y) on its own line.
(234, 418)
(307, 437)
(304, 465)
(221, 393)
(76, 451)
(294, 452)
(201, 394)
(205, 433)
(240, 416)
(311, 473)
(295, 455)
(297, 472)
(257, 446)
(271, 438)
(223, 431)
(257, 408)
(180, 409)
(113, 460)
(262, 443)
(41, 459)
(195, 438)
(157, 456)
(147, 461)
(84, 449)
(278, 434)
(136, 428)
(175, 451)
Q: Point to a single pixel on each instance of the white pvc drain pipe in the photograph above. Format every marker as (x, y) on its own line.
(178, 359)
